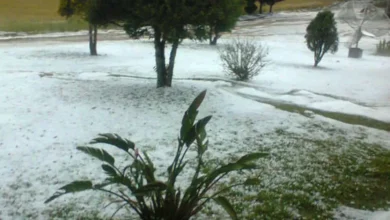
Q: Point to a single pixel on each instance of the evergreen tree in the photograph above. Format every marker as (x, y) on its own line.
(223, 18)
(321, 35)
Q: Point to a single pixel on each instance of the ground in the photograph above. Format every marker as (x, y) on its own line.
(326, 129)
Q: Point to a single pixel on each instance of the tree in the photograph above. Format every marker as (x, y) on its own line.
(69, 8)
(250, 7)
(223, 18)
(388, 8)
(321, 35)
(171, 21)
(270, 3)
(261, 3)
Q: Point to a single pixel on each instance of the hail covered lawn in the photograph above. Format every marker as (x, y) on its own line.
(54, 97)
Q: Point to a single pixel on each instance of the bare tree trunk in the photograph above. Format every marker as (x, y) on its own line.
(261, 6)
(211, 34)
(159, 47)
(171, 65)
(388, 8)
(270, 8)
(214, 36)
(92, 39)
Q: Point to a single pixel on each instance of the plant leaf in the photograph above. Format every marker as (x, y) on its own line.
(148, 188)
(190, 115)
(98, 153)
(150, 163)
(76, 186)
(115, 140)
(110, 171)
(251, 157)
(222, 201)
(252, 182)
(196, 130)
(197, 101)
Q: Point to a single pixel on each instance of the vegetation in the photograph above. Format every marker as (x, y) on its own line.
(171, 21)
(383, 48)
(303, 4)
(37, 16)
(243, 59)
(315, 177)
(151, 198)
(250, 7)
(321, 35)
(68, 8)
(271, 3)
(223, 18)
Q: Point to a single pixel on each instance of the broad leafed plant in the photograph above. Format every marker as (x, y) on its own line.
(152, 198)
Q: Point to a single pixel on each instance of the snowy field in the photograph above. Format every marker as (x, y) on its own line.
(54, 96)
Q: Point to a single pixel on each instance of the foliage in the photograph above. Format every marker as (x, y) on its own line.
(82, 8)
(271, 3)
(68, 8)
(250, 7)
(243, 59)
(171, 21)
(152, 198)
(383, 48)
(321, 35)
(223, 18)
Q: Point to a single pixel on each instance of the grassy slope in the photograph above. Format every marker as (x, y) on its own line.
(34, 16)
(302, 4)
(41, 15)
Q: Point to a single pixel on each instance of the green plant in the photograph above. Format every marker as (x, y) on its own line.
(223, 18)
(383, 48)
(243, 59)
(250, 7)
(154, 199)
(321, 35)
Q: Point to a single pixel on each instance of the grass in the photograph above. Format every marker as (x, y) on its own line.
(383, 48)
(38, 16)
(289, 5)
(35, 16)
(302, 4)
(346, 118)
(310, 178)
(305, 177)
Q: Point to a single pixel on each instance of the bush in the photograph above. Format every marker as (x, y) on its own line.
(250, 7)
(321, 35)
(383, 48)
(154, 199)
(243, 59)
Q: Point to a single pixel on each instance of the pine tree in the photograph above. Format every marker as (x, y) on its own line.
(321, 35)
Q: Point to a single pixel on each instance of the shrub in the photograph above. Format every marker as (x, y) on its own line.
(321, 35)
(383, 48)
(154, 199)
(250, 7)
(243, 59)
